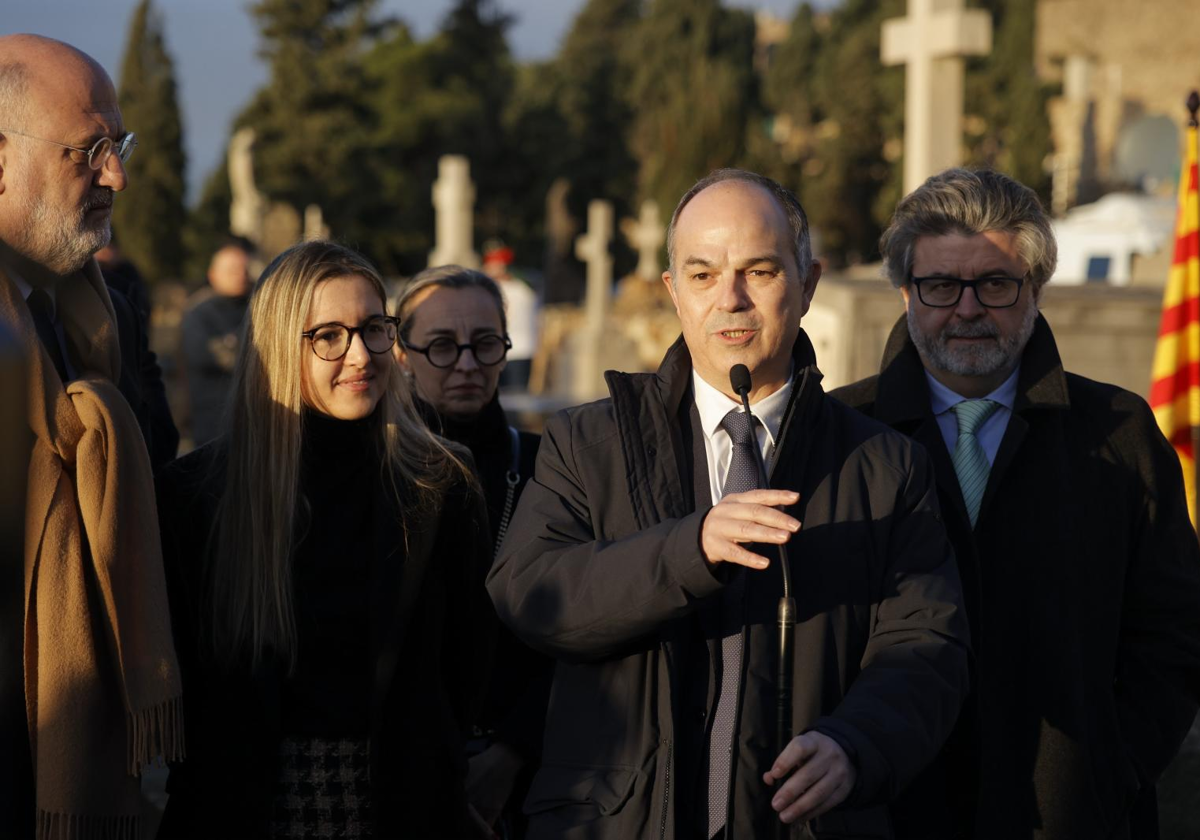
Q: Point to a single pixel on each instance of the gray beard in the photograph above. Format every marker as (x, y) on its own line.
(977, 360)
(63, 243)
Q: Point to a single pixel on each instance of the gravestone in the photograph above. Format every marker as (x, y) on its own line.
(564, 282)
(592, 248)
(454, 204)
(248, 210)
(646, 235)
(314, 223)
(931, 42)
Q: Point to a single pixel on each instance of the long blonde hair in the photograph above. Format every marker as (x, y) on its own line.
(251, 606)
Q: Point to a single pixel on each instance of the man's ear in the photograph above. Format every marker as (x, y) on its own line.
(666, 278)
(810, 287)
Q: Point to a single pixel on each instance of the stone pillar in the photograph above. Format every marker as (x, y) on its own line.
(454, 203)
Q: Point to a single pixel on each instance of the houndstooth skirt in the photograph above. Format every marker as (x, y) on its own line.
(322, 790)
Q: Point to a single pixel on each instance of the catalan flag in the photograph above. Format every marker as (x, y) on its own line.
(1175, 382)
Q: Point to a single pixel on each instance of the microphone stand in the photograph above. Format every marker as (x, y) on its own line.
(739, 379)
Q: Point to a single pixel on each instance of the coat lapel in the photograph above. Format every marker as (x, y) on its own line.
(399, 573)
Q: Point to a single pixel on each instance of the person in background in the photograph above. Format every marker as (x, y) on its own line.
(453, 339)
(1066, 508)
(325, 558)
(211, 330)
(521, 311)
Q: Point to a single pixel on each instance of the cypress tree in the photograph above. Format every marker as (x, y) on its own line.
(149, 215)
(693, 93)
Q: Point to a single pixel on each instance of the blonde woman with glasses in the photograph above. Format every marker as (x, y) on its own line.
(325, 560)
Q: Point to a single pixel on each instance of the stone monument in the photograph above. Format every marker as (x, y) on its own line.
(932, 42)
(592, 248)
(248, 209)
(314, 223)
(646, 235)
(454, 204)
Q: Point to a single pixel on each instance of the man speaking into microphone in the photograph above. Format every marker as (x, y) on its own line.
(641, 557)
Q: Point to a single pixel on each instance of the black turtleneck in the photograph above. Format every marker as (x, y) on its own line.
(340, 483)
(490, 442)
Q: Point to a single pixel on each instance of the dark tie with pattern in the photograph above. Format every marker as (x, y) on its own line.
(742, 476)
(39, 308)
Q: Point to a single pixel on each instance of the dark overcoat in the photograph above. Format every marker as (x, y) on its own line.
(431, 631)
(1082, 579)
(602, 569)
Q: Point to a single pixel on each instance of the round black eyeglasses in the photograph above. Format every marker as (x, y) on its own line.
(445, 352)
(332, 341)
(992, 292)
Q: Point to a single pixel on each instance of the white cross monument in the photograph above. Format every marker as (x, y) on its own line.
(592, 248)
(454, 203)
(645, 235)
(932, 41)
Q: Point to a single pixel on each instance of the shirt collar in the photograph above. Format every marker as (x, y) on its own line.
(714, 405)
(942, 399)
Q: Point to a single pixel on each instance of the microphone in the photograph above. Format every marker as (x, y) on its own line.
(740, 382)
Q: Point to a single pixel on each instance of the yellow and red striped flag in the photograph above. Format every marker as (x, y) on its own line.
(1175, 382)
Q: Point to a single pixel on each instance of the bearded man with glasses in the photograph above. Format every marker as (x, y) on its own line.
(1066, 509)
(89, 685)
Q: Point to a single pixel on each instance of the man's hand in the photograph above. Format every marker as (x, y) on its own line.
(747, 518)
(823, 779)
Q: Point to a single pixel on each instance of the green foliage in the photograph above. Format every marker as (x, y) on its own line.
(590, 93)
(846, 185)
(149, 215)
(693, 92)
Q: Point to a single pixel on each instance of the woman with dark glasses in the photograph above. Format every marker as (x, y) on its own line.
(325, 559)
(453, 341)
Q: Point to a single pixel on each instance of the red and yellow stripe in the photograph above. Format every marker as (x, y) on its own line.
(1175, 381)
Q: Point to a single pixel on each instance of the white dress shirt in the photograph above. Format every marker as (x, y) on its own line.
(942, 399)
(714, 405)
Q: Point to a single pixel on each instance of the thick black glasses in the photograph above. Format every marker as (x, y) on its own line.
(992, 292)
(98, 154)
(331, 341)
(444, 352)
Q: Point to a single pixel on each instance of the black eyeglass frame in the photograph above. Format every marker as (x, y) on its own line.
(458, 350)
(123, 147)
(311, 334)
(963, 285)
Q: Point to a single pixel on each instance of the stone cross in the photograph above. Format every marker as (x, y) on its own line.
(645, 235)
(454, 203)
(592, 248)
(932, 41)
(248, 210)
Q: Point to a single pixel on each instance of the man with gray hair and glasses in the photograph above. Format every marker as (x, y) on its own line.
(1066, 508)
(89, 685)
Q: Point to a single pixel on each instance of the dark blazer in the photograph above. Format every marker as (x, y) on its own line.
(1082, 580)
(602, 570)
(142, 384)
(431, 638)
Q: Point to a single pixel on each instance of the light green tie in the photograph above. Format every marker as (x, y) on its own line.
(970, 461)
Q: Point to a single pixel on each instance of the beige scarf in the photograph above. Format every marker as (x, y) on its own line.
(102, 688)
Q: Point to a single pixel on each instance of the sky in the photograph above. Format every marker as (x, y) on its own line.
(213, 43)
